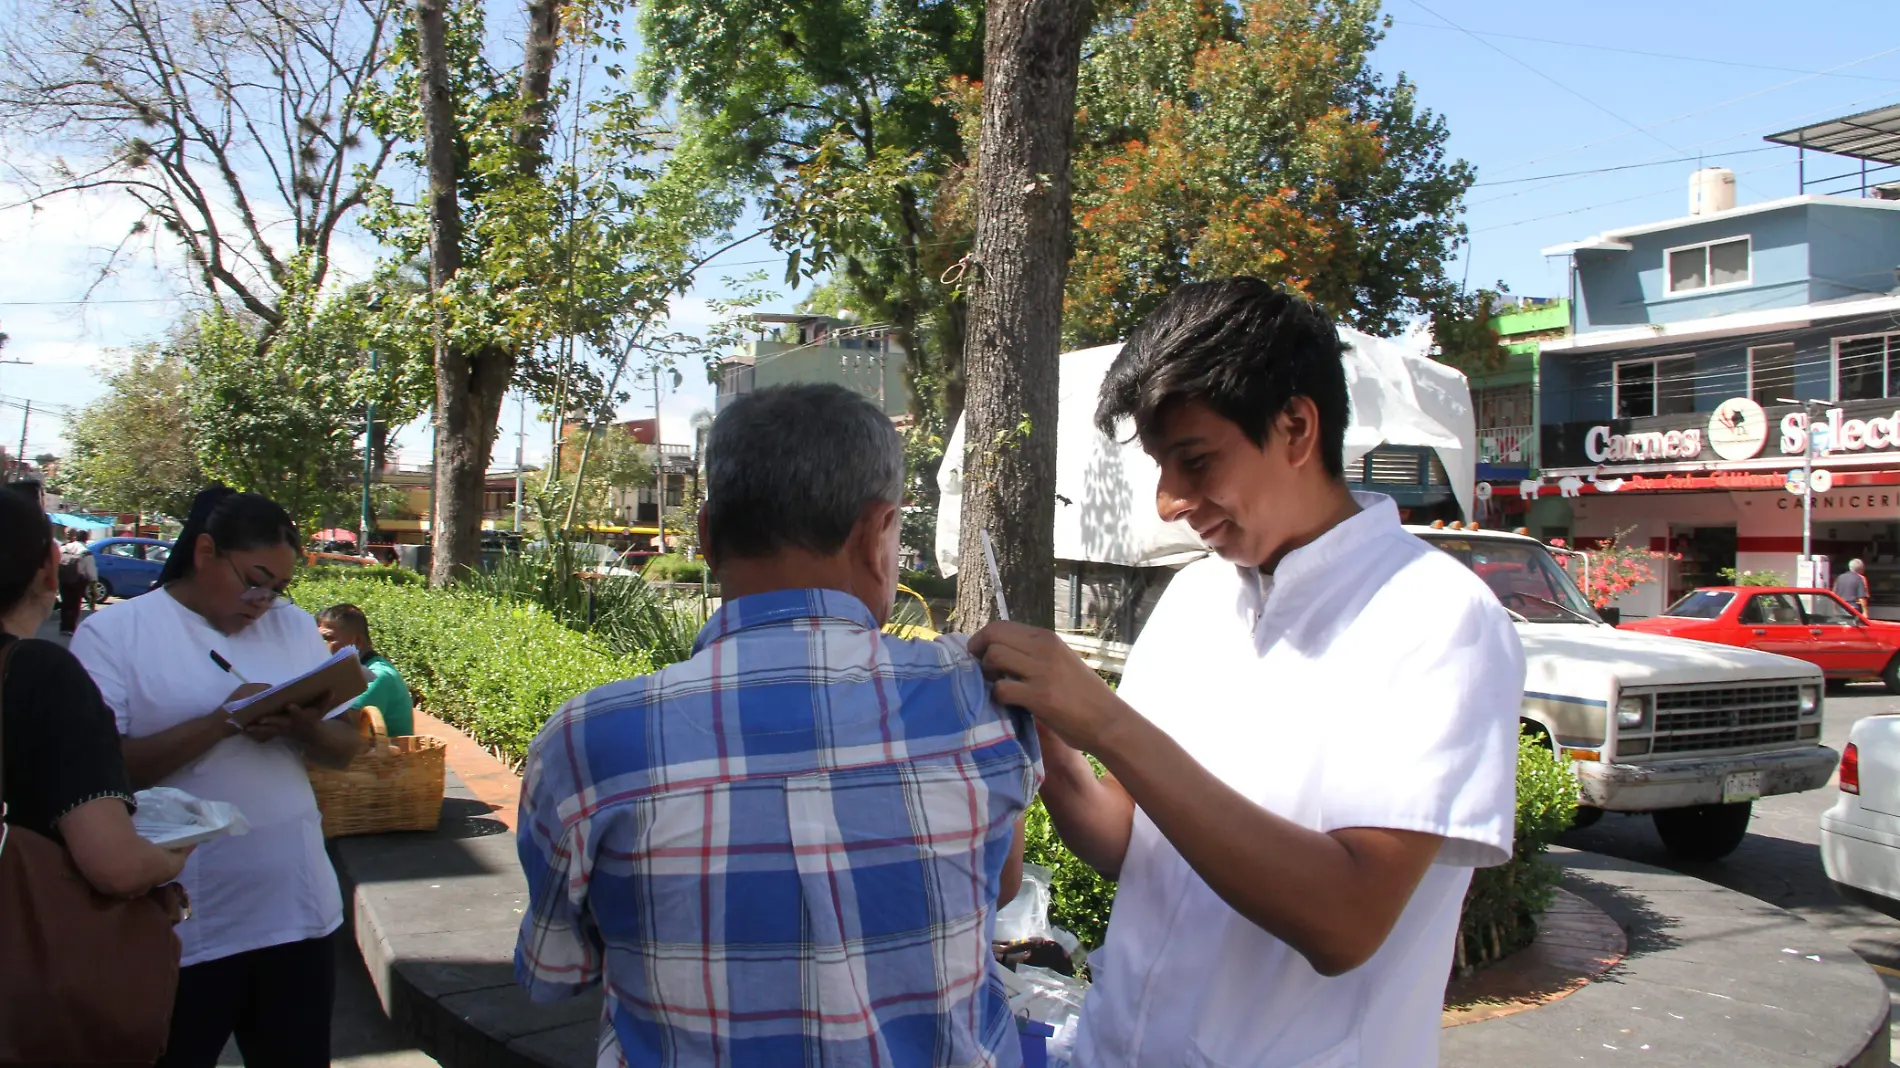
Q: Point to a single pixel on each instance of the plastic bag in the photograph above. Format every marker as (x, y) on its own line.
(1027, 916)
(175, 819)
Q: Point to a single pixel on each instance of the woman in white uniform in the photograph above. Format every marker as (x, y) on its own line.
(257, 958)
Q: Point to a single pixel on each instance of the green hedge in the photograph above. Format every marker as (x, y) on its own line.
(1504, 903)
(493, 669)
(675, 568)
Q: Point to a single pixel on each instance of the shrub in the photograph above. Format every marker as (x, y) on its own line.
(1752, 578)
(495, 669)
(629, 615)
(1079, 899)
(1503, 904)
(675, 568)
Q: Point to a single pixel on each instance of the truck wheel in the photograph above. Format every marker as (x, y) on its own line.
(1587, 816)
(1891, 674)
(1703, 832)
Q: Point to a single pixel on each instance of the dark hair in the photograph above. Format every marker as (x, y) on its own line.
(794, 466)
(26, 537)
(235, 521)
(80, 535)
(346, 617)
(1242, 348)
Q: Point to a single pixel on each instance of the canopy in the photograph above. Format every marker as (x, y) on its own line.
(1105, 489)
(80, 522)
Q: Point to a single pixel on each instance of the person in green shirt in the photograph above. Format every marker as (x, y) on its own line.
(345, 624)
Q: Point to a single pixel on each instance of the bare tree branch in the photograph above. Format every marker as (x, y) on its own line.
(233, 124)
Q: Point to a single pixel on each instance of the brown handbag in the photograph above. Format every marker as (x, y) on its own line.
(85, 979)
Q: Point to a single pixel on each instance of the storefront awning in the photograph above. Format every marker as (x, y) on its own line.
(80, 522)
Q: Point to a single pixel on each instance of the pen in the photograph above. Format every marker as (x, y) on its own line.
(226, 666)
(996, 580)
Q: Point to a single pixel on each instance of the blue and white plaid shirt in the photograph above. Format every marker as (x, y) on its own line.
(784, 851)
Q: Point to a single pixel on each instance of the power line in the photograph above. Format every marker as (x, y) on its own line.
(1627, 167)
(1720, 105)
(1652, 55)
(1547, 77)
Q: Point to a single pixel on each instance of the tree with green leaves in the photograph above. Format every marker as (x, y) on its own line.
(131, 450)
(280, 414)
(833, 115)
(552, 247)
(1255, 138)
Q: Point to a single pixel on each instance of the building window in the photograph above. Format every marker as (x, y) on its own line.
(1771, 373)
(1664, 386)
(1864, 367)
(1710, 266)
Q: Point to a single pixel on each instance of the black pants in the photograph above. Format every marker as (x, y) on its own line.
(277, 1000)
(72, 597)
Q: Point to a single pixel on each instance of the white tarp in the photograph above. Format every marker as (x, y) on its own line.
(1105, 489)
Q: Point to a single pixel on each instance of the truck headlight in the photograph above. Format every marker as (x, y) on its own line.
(1632, 713)
(1810, 700)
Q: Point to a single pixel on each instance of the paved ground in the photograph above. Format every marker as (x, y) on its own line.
(1780, 862)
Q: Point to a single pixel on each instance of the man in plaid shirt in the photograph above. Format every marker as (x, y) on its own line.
(789, 849)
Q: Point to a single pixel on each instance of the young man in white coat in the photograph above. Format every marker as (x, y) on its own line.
(1314, 741)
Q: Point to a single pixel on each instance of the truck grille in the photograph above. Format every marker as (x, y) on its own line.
(1729, 717)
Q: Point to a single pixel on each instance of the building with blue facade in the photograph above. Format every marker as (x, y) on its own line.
(1673, 410)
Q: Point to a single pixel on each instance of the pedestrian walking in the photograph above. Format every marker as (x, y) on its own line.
(77, 571)
(1315, 737)
(256, 951)
(787, 850)
(1852, 585)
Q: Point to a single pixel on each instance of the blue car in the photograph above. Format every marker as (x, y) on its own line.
(127, 566)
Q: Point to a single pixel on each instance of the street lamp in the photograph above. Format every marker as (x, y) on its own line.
(1807, 482)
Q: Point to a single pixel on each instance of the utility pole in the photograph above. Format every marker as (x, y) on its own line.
(369, 456)
(1807, 487)
(521, 437)
(659, 467)
(19, 458)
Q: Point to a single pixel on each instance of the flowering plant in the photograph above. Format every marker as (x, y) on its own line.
(1615, 568)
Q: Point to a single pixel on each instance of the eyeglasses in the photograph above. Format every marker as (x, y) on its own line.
(256, 592)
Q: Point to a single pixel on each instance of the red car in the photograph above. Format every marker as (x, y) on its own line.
(1811, 625)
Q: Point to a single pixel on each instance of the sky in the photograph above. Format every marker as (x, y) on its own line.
(1577, 117)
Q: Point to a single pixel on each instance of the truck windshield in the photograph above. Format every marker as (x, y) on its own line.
(1522, 575)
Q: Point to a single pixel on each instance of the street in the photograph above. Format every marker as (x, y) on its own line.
(1780, 861)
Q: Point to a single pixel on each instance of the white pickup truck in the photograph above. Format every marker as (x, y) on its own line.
(1689, 732)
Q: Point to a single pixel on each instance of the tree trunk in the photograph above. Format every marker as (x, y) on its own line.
(469, 385)
(1032, 49)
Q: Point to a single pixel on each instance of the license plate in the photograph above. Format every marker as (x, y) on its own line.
(1741, 786)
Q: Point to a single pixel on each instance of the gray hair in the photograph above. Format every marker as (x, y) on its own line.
(794, 466)
(1856, 565)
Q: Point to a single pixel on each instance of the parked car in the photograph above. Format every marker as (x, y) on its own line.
(128, 566)
(1860, 835)
(1807, 624)
(1690, 733)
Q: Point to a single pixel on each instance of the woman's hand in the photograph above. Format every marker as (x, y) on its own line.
(174, 864)
(295, 722)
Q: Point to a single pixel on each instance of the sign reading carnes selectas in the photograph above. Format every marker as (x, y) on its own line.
(1737, 431)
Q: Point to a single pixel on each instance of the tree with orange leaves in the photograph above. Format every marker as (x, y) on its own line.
(1217, 138)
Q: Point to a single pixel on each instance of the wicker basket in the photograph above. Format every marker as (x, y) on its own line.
(395, 786)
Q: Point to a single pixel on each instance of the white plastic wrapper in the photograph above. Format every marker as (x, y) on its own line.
(175, 819)
(1027, 916)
